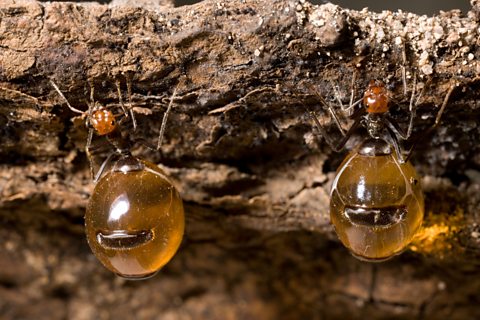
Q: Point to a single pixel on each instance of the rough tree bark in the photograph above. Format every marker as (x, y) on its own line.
(254, 178)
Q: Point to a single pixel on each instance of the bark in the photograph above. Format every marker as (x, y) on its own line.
(244, 154)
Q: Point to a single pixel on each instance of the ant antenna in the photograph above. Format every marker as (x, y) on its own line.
(102, 167)
(165, 118)
(130, 107)
(120, 99)
(122, 105)
(337, 94)
(352, 92)
(352, 104)
(128, 79)
(91, 105)
(330, 109)
(435, 124)
(404, 71)
(444, 104)
(65, 99)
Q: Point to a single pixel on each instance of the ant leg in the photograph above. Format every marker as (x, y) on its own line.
(347, 136)
(352, 94)
(330, 109)
(88, 152)
(351, 104)
(91, 105)
(337, 95)
(65, 99)
(404, 71)
(130, 107)
(352, 88)
(412, 107)
(120, 99)
(320, 127)
(146, 143)
(395, 128)
(165, 118)
(393, 125)
(339, 146)
(92, 91)
(436, 123)
(102, 167)
(444, 105)
(396, 145)
(337, 121)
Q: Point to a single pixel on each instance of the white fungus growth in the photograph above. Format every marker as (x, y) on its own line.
(433, 44)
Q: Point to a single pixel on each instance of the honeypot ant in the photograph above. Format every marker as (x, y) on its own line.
(376, 201)
(134, 219)
(100, 120)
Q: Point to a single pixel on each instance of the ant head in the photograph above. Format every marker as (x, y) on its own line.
(103, 121)
(375, 98)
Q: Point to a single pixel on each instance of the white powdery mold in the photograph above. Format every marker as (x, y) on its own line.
(329, 23)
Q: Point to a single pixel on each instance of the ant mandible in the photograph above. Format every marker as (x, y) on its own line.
(376, 201)
(134, 219)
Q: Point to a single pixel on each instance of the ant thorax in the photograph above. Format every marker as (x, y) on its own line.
(120, 142)
(375, 124)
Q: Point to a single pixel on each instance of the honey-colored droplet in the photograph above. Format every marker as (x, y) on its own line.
(376, 205)
(135, 221)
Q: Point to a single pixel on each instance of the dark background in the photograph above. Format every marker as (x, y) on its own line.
(429, 7)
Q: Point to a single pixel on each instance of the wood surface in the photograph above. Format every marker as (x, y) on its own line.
(252, 170)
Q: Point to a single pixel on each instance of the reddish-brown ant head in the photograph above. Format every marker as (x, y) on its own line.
(375, 98)
(103, 121)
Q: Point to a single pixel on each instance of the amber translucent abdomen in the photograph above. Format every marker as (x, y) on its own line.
(376, 205)
(135, 221)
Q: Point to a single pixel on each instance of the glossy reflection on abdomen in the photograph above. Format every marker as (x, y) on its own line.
(376, 205)
(135, 221)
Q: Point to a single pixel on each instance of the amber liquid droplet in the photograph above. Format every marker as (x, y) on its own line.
(376, 205)
(135, 221)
